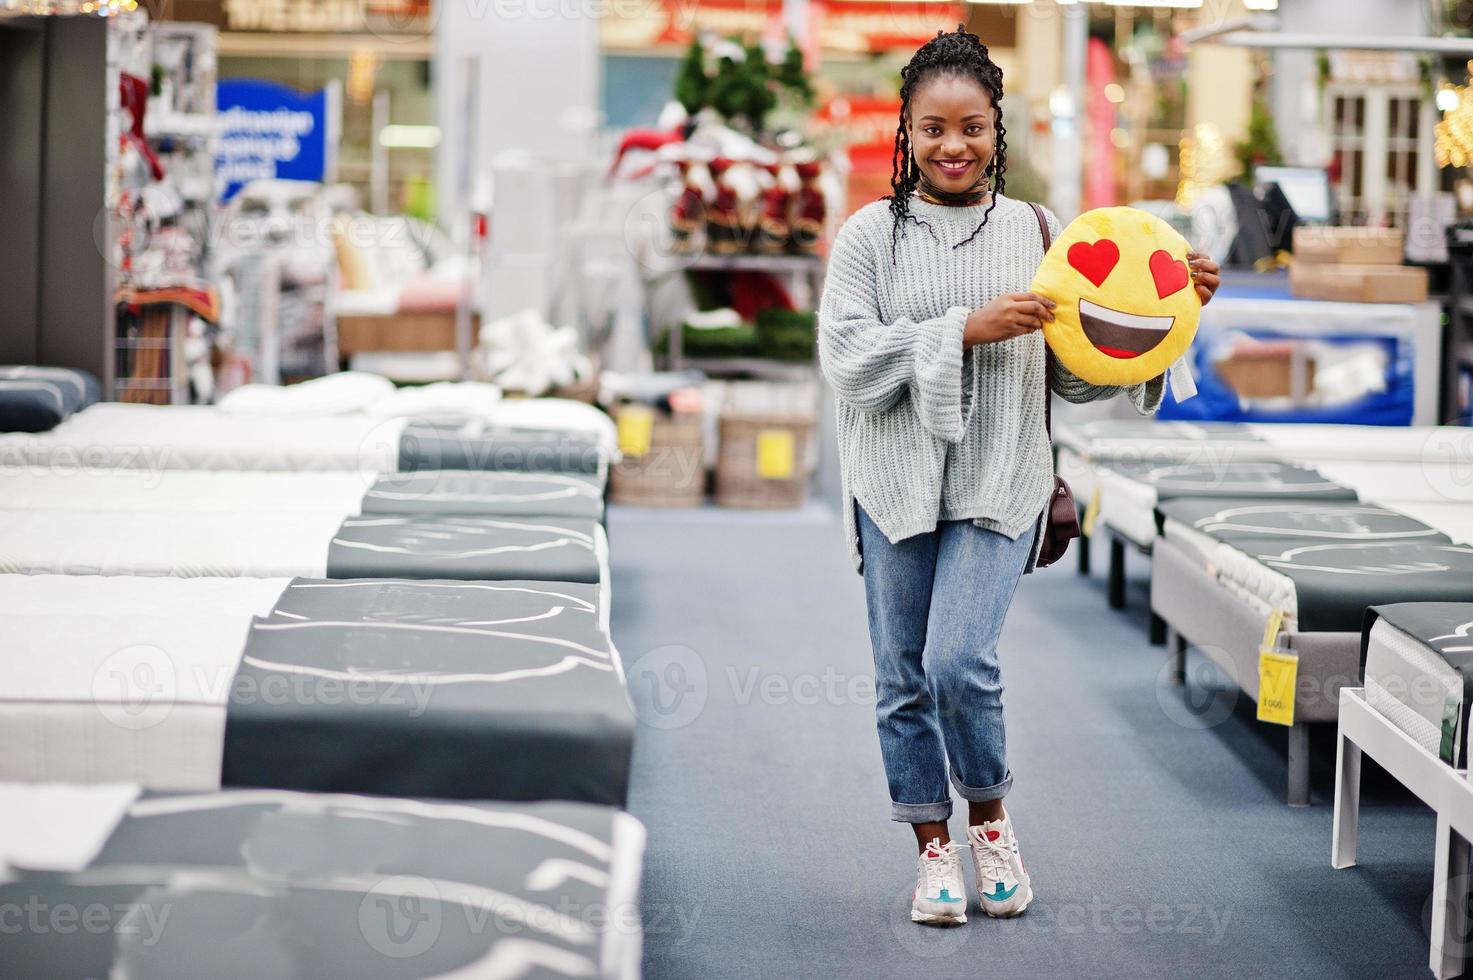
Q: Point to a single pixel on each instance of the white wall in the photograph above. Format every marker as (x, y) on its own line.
(539, 82)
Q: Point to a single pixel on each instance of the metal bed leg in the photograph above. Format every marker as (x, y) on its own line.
(1177, 644)
(1083, 553)
(1346, 825)
(1449, 902)
(1117, 573)
(1158, 630)
(1299, 764)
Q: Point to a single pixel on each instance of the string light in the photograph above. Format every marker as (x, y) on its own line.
(1454, 134)
(1205, 162)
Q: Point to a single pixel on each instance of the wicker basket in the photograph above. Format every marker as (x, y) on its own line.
(766, 445)
(671, 473)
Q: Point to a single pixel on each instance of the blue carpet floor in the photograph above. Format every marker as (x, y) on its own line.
(1156, 832)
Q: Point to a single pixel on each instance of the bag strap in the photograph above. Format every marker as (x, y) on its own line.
(1048, 243)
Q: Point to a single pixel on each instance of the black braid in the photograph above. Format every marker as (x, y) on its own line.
(956, 54)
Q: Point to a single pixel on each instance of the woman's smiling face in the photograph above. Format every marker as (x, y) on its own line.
(952, 132)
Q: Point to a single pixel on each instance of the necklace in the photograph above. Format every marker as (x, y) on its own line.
(975, 194)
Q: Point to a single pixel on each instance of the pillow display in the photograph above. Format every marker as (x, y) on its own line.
(1126, 306)
(334, 394)
(37, 399)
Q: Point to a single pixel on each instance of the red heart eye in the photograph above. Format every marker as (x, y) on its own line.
(1170, 274)
(1095, 261)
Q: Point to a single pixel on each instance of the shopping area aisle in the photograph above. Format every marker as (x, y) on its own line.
(1158, 841)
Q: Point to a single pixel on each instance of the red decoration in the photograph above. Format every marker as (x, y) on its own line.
(1170, 274)
(1095, 262)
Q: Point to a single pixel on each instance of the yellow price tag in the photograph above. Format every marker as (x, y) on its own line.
(1091, 513)
(1278, 675)
(776, 454)
(636, 428)
(1271, 629)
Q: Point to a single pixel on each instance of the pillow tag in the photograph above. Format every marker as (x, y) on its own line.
(1183, 385)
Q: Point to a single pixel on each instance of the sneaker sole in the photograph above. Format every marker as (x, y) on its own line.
(934, 919)
(1007, 913)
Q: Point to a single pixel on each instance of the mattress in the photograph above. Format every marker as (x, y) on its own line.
(112, 436)
(1417, 662)
(1393, 482)
(505, 690)
(278, 884)
(1315, 443)
(1322, 563)
(1129, 491)
(478, 446)
(1148, 440)
(121, 679)
(1453, 519)
(520, 690)
(344, 493)
(317, 545)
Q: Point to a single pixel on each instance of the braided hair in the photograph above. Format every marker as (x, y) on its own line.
(962, 55)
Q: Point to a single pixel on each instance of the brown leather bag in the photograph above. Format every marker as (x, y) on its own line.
(1061, 516)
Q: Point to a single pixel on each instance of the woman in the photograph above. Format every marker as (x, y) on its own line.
(932, 346)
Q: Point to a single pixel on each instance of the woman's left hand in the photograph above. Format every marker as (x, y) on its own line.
(1206, 274)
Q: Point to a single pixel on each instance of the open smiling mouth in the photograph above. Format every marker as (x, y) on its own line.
(1122, 335)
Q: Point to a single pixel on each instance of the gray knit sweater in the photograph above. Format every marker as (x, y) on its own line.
(929, 433)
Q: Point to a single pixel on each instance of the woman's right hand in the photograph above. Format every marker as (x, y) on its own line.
(1010, 315)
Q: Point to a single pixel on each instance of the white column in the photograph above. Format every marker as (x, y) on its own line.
(1066, 188)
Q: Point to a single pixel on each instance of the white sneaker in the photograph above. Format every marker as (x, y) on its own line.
(1002, 881)
(941, 895)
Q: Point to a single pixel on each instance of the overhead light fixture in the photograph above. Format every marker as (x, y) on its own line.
(401, 137)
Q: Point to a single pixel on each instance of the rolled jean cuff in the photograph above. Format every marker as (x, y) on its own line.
(920, 812)
(986, 793)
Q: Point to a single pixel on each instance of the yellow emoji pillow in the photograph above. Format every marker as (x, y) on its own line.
(1126, 305)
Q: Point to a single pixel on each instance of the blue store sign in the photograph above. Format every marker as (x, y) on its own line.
(271, 130)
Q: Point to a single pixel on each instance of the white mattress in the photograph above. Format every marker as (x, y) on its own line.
(1411, 685)
(180, 491)
(1127, 505)
(1315, 443)
(1392, 482)
(1146, 440)
(121, 679)
(257, 544)
(111, 435)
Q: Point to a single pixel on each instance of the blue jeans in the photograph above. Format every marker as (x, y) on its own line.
(936, 607)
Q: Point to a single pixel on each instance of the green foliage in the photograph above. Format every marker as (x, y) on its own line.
(743, 91)
(692, 87)
(793, 76)
(1262, 144)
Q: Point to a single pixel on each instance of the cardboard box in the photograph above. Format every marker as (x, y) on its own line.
(1358, 283)
(1281, 369)
(1347, 245)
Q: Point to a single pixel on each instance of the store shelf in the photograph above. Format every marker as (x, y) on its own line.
(755, 366)
(753, 263)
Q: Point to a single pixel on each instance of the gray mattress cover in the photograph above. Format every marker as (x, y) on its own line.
(1341, 557)
(251, 885)
(1271, 479)
(465, 547)
(447, 690)
(497, 494)
(475, 446)
(1233, 519)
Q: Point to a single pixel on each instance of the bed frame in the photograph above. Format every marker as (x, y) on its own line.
(1228, 630)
